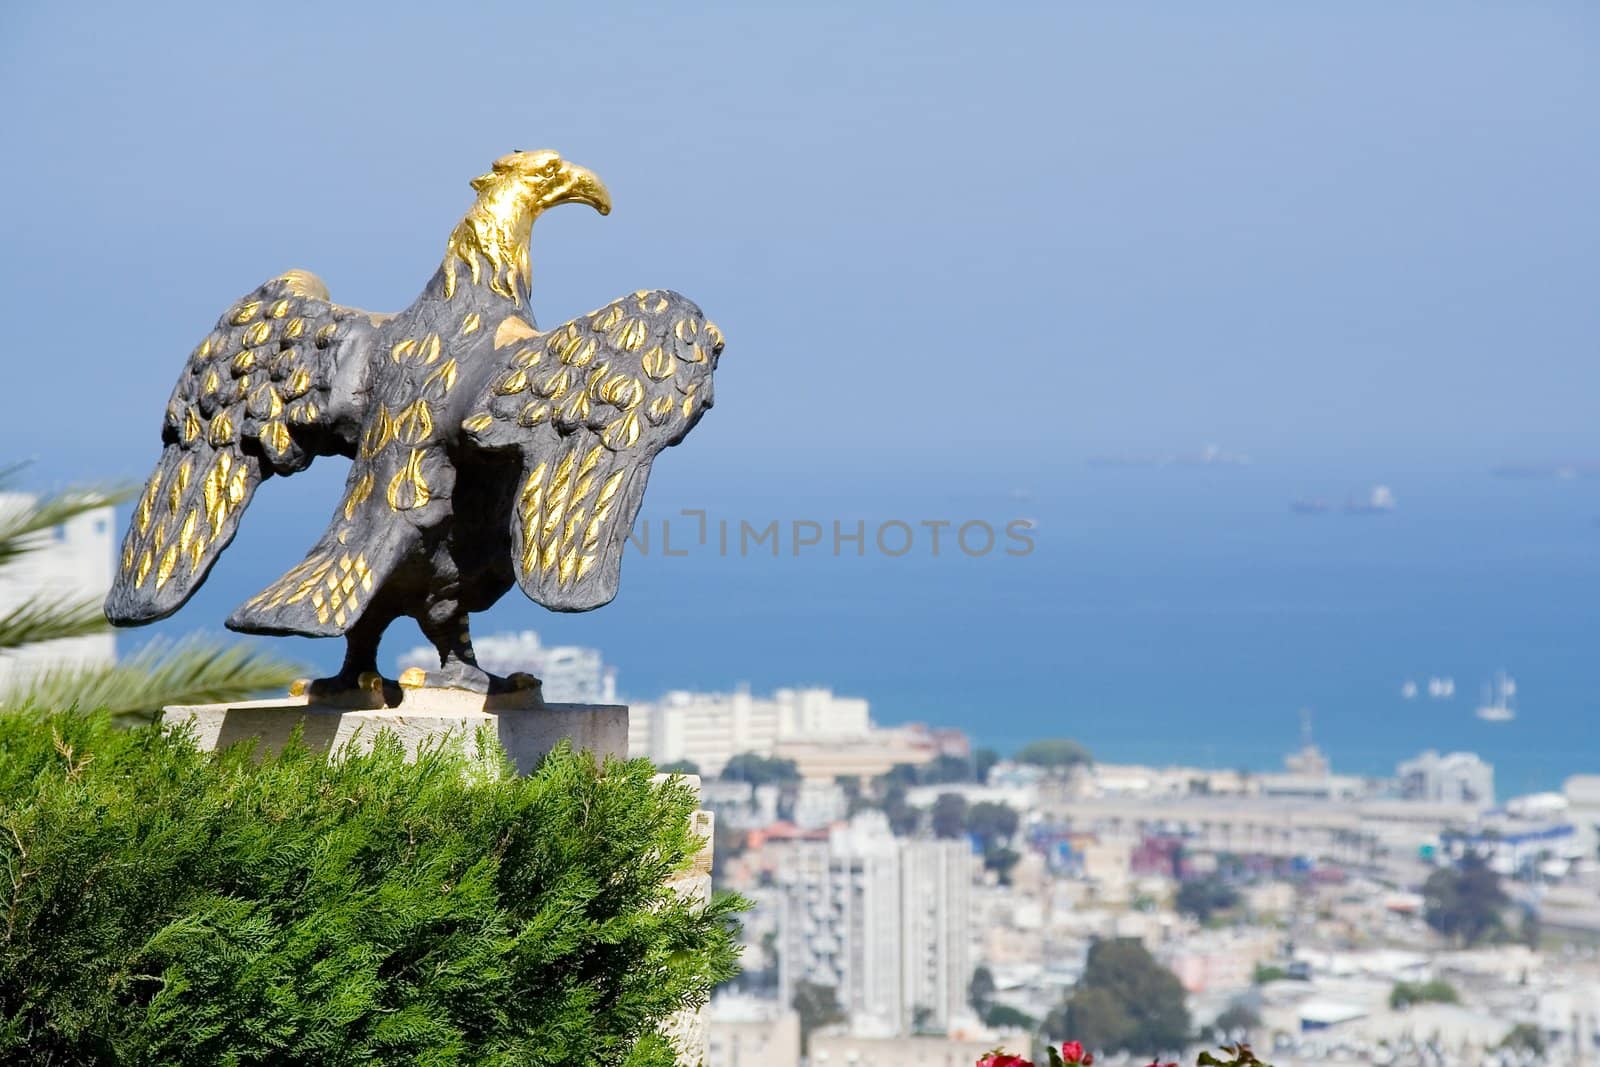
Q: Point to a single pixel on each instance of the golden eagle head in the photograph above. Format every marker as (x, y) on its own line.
(495, 231)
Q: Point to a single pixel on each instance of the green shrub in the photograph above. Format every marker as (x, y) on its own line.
(164, 906)
(1433, 991)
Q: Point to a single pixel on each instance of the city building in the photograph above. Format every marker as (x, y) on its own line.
(849, 1050)
(1457, 778)
(73, 562)
(571, 674)
(884, 921)
(825, 734)
(935, 918)
(706, 729)
(749, 1032)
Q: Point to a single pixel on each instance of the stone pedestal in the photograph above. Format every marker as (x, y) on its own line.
(689, 1030)
(526, 728)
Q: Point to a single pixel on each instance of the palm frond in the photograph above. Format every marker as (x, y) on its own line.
(50, 618)
(191, 671)
(23, 526)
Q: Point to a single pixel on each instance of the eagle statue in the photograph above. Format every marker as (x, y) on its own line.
(486, 452)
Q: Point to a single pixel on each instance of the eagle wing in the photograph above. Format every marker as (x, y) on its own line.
(589, 405)
(271, 387)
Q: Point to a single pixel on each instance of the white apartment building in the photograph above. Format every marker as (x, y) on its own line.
(936, 910)
(73, 562)
(884, 921)
(708, 729)
(571, 674)
(1455, 778)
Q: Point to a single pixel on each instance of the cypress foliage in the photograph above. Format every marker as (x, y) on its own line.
(164, 906)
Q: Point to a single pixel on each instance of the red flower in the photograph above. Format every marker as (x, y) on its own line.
(1003, 1059)
(1158, 1063)
(1072, 1053)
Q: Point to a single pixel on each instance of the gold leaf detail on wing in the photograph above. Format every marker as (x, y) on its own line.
(264, 402)
(623, 432)
(215, 489)
(409, 487)
(169, 559)
(221, 431)
(358, 494)
(443, 376)
(554, 386)
(659, 363)
(414, 424)
(298, 385)
(275, 435)
(660, 408)
(515, 382)
(378, 434)
(631, 334)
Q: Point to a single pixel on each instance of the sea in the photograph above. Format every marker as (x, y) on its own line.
(1164, 610)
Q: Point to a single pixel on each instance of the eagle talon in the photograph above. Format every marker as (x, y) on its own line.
(521, 682)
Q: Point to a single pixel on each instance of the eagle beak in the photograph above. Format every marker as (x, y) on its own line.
(582, 186)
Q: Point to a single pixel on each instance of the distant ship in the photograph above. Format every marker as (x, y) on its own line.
(1496, 706)
(1408, 691)
(1564, 471)
(1441, 688)
(1378, 502)
(1209, 456)
(1309, 506)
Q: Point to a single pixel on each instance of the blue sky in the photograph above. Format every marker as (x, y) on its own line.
(956, 250)
(932, 235)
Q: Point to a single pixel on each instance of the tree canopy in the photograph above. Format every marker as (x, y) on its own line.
(757, 769)
(1433, 991)
(681, 766)
(949, 817)
(1125, 1002)
(1204, 897)
(1053, 754)
(818, 1006)
(991, 822)
(1464, 903)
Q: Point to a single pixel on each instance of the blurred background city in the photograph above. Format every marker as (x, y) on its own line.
(1146, 539)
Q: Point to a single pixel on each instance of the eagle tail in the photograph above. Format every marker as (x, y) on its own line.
(327, 592)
